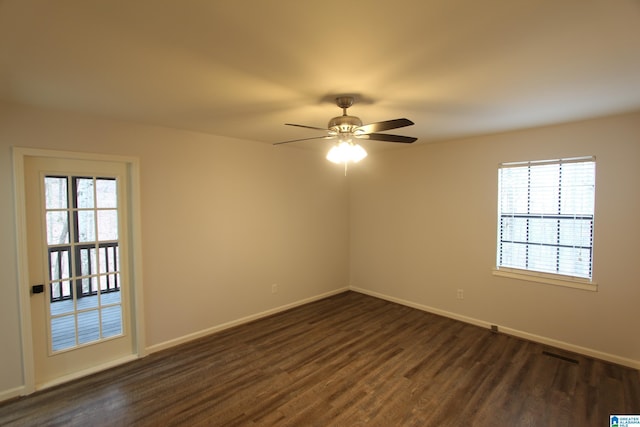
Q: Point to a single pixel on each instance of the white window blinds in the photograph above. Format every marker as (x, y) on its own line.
(545, 216)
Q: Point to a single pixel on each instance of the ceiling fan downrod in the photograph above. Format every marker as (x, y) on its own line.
(344, 125)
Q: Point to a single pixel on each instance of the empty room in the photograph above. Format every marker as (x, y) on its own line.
(327, 213)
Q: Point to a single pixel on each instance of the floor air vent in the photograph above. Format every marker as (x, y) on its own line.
(558, 356)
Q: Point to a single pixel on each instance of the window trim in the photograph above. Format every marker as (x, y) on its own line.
(546, 278)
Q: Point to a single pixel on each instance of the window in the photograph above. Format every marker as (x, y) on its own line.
(545, 217)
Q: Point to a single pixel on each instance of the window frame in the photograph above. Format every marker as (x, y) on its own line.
(551, 278)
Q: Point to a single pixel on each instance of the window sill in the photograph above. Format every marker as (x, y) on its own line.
(549, 279)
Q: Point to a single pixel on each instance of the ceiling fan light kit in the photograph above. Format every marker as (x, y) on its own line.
(345, 152)
(346, 128)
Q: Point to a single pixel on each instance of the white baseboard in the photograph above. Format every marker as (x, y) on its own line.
(84, 373)
(217, 328)
(635, 364)
(23, 391)
(596, 354)
(11, 393)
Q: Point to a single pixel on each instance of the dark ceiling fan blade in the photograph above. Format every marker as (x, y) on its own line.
(305, 139)
(305, 126)
(386, 125)
(388, 138)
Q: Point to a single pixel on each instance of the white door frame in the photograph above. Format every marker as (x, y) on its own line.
(24, 284)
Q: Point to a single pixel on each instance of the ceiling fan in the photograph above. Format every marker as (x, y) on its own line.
(346, 128)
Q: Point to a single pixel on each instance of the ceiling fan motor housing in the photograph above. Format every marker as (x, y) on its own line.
(344, 124)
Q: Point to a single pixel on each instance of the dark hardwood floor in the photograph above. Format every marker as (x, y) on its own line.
(347, 360)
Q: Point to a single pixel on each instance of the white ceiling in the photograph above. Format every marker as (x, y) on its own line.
(242, 68)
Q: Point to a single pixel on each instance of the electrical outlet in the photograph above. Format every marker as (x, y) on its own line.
(460, 294)
(274, 288)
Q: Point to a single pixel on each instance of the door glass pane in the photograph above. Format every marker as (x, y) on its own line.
(84, 193)
(86, 226)
(112, 258)
(112, 282)
(59, 264)
(86, 299)
(106, 193)
(103, 261)
(65, 287)
(111, 321)
(88, 293)
(86, 262)
(88, 327)
(88, 286)
(107, 225)
(62, 307)
(55, 190)
(57, 227)
(108, 259)
(63, 332)
(104, 283)
(112, 297)
(61, 291)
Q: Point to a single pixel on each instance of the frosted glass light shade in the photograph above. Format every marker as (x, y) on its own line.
(346, 152)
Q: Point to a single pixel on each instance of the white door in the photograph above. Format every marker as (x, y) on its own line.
(77, 243)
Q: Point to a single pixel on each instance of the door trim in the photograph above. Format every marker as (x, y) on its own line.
(135, 235)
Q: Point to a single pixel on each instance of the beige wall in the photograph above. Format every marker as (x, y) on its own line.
(423, 224)
(222, 220)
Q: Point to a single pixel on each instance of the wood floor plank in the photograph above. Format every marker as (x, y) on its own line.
(347, 360)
